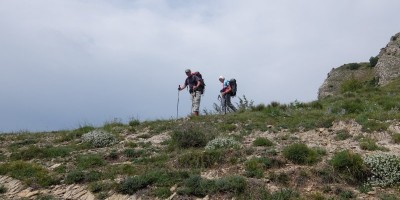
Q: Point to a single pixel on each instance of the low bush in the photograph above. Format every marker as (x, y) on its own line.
(373, 61)
(261, 141)
(99, 138)
(222, 143)
(255, 166)
(369, 144)
(299, 153)
(350, 165)
(195, 185)
(385, 169)
(157, 177)
(191, 135)
(75, 176)
(132, 184)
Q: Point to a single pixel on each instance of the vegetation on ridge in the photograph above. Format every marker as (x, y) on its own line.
(224, 156)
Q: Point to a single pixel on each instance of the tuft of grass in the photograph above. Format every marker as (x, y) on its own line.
(37, 152)
(350, 165)
(299, 153)
(191, 135)
(195, 185)
(30, 173)
(369, 144)
(162, 192)
(261, 141)
(396, 138)
(3, 189)
(201, 159)
(157, 177)
(75, 134)
(342, 135)
(89, 161)
(255, 166)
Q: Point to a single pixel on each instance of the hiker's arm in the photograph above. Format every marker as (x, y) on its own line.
(183, 87)
(197, 85)
(227, 90)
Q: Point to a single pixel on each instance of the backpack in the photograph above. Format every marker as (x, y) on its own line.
(233, 85)
(202, 85)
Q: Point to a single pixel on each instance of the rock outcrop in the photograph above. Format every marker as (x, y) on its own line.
(388, 66)
(386, 69)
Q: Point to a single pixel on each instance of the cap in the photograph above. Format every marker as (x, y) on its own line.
(187, 70)
(221, 77)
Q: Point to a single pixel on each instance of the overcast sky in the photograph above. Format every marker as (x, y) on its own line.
(68, 63)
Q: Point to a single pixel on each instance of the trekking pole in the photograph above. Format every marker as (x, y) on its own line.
(177, 104)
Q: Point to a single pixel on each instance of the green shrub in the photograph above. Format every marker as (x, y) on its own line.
(198, 186)
(132, 184)
(195, 185)
(299, 153)
(374, 125)
(232, 184)
(76, 176)
(79, 176)
(222, 143)
(351, 85)
(191, 135)
(385, 169)
(162, 192)
(99, 138)
(134, 122)
(158, 177)
(281, 178)
(373, 61)
(261, 141)
(254, 167)
(353, 106)
(351, 165)
(353, 66)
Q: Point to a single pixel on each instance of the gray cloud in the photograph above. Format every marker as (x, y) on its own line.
(66, 63)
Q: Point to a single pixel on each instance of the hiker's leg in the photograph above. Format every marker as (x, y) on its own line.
(229, 103)
(223, 104)
(196, 103)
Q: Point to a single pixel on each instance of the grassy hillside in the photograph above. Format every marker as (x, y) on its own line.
(340, 147)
